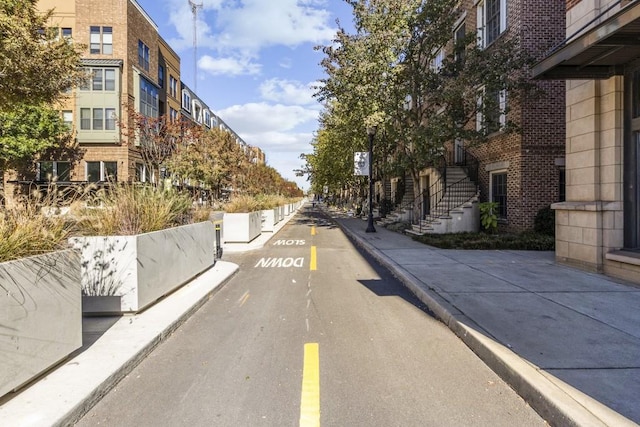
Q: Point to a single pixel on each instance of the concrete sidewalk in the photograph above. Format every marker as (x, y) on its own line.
(112, 347)
(567, 341)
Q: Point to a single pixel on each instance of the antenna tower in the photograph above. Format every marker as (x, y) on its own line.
(194, 9)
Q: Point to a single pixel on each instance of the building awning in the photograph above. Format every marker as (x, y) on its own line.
(599, 53)
(101, 62)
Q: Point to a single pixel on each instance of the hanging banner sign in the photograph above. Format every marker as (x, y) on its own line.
(361, 163)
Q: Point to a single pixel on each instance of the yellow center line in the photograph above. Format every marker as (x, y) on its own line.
(310, 401)
(313, 230)
(243, 298)
(312, 262)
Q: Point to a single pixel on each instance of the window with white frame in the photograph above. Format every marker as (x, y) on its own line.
(499, 192)
(101, 40)
(491, 116)
(54, 171)
(186, 100)
(197, 111)
(100, 80)
(173, 86)
(436, 62)
(491, 20)
(207, 118)
(67, 118)
(141, 172)
(173, 114)
(98, 119)
(109, 119)
(102, 171)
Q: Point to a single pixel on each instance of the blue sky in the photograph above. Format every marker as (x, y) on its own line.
(256, 65)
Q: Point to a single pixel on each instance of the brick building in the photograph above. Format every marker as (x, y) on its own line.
(131, 69)
(523, 172)
(598, 226)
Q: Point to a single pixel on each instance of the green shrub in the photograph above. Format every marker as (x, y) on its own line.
(545, 222)
(523, 241)
(488, 216)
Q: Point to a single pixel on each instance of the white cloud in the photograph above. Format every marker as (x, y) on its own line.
(250, 25)
(287, 92)
(228, 66)
(261, 117)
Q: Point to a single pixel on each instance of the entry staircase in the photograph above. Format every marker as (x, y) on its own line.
(450, 205)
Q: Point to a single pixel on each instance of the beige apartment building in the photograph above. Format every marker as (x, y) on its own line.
(129, 64)
(598, 226)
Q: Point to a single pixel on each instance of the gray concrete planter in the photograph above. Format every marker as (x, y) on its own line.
(270, 218)
(242, 227)
(141, 269)
(40, 315)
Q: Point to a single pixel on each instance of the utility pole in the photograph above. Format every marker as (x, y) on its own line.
(194, 9)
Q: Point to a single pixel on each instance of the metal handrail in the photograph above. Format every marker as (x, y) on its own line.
(453, 195)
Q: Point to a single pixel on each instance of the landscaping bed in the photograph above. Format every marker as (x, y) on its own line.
(528, 241)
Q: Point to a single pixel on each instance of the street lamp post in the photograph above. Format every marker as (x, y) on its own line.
(371, 132)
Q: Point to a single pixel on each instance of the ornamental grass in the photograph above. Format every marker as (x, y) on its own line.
(125, 210)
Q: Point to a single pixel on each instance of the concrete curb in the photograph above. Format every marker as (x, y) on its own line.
(69, 391)
(557, 402)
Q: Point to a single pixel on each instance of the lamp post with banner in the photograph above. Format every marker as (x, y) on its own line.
(371, 132)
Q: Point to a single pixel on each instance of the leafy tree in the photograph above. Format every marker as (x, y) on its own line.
(36, 65)
(28, 129)
(157, 138)
(402, 72)
(213, 157)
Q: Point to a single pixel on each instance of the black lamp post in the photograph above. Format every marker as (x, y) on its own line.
(371, 131)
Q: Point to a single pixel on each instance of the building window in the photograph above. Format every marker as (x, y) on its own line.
(186, 100)
(54, 171)
(148, 98)
(110, 79)
(491, 20)
(85, 118)
(161, 76)
(98, 119)
(101, 40)
(173, 114)
(100, 79)
(437, 61)
(459, 36)
(141, 172)
(110, 119)
(491, 115)
(143, 55)
(66, 33)
(499, 193)
(96, 80)
(173, 87)
(67, 118)
(207, 118)
(102, 171)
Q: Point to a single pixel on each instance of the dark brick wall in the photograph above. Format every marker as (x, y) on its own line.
(532, 175)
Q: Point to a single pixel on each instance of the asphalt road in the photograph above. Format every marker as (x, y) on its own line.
(311, 332)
